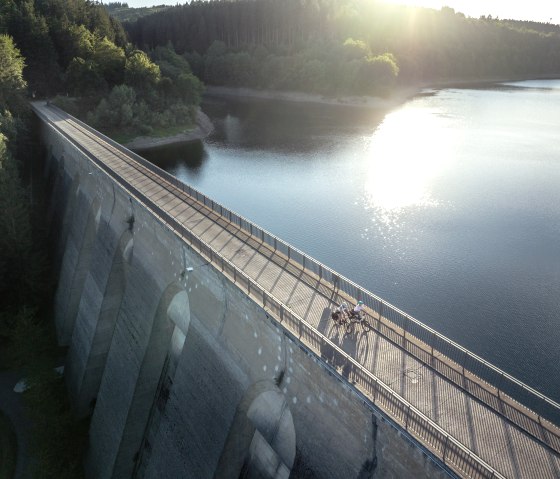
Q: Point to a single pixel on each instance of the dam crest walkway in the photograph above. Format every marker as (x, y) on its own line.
(463, 411)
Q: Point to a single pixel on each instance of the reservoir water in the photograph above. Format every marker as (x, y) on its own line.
(447, 206)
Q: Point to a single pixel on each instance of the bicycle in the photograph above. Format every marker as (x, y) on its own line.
(354, 319)
(348, 318)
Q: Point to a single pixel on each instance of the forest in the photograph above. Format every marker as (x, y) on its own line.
(345, 46)
(27, 342)
(123, 13)
(74, 48)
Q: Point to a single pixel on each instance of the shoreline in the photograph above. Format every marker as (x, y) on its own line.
(483, 82)
(204, 127)
(398, 96)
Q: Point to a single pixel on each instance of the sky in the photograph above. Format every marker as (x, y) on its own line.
(537, 10)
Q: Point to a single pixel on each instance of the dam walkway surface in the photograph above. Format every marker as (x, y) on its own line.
(428, 386)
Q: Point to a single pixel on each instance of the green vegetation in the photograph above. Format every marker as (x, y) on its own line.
(345, 46)
(342, 69)
(75, 48)
(69, 47)
(162, 132)
(124, 13)
(19, 261)
(148, 100)
(26, 332)
(58, 440)
(51, 33)
(8, 448)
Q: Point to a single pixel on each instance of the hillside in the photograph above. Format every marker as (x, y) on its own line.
(345, 46)
(123, 13)
(75, 49)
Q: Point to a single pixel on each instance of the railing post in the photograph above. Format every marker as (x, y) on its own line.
(499, 387)
(406, 419)
(445, 448)
(500, 383)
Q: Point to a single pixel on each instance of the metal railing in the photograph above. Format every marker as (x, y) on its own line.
(438, 443)
(435, 345)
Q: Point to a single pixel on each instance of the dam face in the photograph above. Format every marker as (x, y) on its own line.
(182, 373)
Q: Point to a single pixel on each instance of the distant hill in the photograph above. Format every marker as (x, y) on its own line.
(124, 13)
(527, 25)
(345, 47)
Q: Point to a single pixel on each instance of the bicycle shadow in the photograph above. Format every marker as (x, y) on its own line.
(330, 329)
(349, 346)
(337, 334)
(355, 343)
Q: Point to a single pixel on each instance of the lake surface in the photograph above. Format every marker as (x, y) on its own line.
(447, 206)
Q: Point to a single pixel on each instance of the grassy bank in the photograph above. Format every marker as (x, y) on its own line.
(161, 132)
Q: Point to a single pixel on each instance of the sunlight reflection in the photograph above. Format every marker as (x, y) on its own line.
(405, 155)
(233, 129)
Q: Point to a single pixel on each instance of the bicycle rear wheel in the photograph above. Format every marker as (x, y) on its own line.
(366, 325)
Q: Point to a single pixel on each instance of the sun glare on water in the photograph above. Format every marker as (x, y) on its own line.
(406, 154)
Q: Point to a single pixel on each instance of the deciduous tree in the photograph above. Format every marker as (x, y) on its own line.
(12, 84)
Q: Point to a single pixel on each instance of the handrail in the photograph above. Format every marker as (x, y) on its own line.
(437, 441)
(504, 383)
(547, 436)
(451, 452)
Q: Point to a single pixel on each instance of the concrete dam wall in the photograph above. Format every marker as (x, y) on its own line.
(183, 374)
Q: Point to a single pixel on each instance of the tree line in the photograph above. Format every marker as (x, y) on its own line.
(27, 339)
(74, 48)
(67, 47)
(345, 46)
(123, 13)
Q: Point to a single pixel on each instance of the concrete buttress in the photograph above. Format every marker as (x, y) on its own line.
(184, 374)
